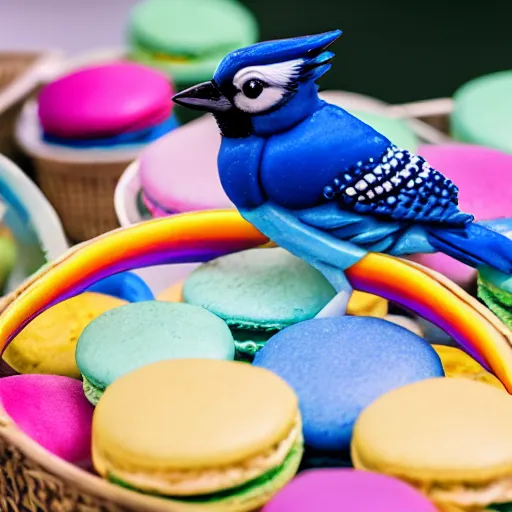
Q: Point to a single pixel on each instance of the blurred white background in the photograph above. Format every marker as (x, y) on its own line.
(67, 24)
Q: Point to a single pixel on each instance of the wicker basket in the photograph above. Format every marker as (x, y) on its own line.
(80, 184)
(20, 73)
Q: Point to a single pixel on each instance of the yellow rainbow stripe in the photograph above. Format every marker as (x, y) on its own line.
(204, 235)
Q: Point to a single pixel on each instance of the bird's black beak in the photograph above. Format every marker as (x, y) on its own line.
(205, 96)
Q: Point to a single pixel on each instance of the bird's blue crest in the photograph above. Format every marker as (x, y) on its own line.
(310, 48)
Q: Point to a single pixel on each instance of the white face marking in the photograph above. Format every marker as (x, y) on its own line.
(275, 78)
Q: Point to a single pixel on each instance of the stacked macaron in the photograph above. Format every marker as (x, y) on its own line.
(188, 38)
(106, 106)
(176, 176)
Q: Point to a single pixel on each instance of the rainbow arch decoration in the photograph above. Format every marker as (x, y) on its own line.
(201, 236)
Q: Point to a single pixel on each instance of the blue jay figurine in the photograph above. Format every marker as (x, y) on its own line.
(320, 182)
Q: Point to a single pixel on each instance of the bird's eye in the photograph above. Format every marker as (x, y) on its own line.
(253, 88)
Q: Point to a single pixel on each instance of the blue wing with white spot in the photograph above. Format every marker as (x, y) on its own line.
(400, 186)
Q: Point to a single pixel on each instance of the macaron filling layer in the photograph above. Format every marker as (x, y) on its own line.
(91, 392)
(247, 491)
(191, 483)
(497, 300)
(141, 136)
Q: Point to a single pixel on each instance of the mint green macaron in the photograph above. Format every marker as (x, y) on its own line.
(188, 38)
(258, 292)
(126, 338)
(396, 130)
(482, 112)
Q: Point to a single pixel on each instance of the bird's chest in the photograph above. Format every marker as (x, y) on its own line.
(239, 166)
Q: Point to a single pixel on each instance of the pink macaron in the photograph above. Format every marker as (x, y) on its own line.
(350, 490)
(53, 411)
(104, 101)
(178, 173)
(482, 175)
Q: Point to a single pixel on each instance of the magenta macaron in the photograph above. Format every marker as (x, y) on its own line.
(482, 175)
(52, 410)
(178, 173)
(347, 490)
(107, 104)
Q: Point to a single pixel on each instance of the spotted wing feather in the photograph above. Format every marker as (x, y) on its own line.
(400, 186)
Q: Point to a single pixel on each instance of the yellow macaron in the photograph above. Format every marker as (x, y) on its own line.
(450, 438)
(47, 344)
(218, 433)
(457, 363)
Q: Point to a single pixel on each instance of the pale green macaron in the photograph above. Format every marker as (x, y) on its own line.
(258, 292)
(482, 112)
(188, 38)
(126, 338)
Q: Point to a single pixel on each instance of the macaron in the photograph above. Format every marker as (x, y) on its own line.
(480, 173)
(141, 333)
(482, 112)
(258, 292)
(360, 303)
(188, 38)
(109, 105)
(335, 490)
(125, 285)
(47, 344)
(456, 363)
(175, 177)
(450, 438)
(223, 435)
(52, 410)
(338, 366)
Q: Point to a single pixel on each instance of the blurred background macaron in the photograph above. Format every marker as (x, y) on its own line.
(216, 434)
(47, 344)
(456, 363)
(82, 132)
(482, 112)
(338, 366)
(260, 291)
(450, 438)
(188, 38)
(141, 333)
(51, 410)
(176, 177)
(480, 174)
(335, 490)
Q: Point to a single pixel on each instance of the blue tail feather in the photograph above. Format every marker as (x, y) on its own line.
(474, 245)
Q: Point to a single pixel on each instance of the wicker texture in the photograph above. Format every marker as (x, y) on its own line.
(12, 66)
(26, 487)
(82, 194)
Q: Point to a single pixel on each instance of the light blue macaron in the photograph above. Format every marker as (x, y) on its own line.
(126, 338)
(338, 366)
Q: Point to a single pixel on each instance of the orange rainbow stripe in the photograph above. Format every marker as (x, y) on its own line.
(204, 235)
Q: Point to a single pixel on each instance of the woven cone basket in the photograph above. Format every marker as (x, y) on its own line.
(32, 479)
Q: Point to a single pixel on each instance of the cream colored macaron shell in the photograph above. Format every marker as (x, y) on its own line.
(194, 427)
